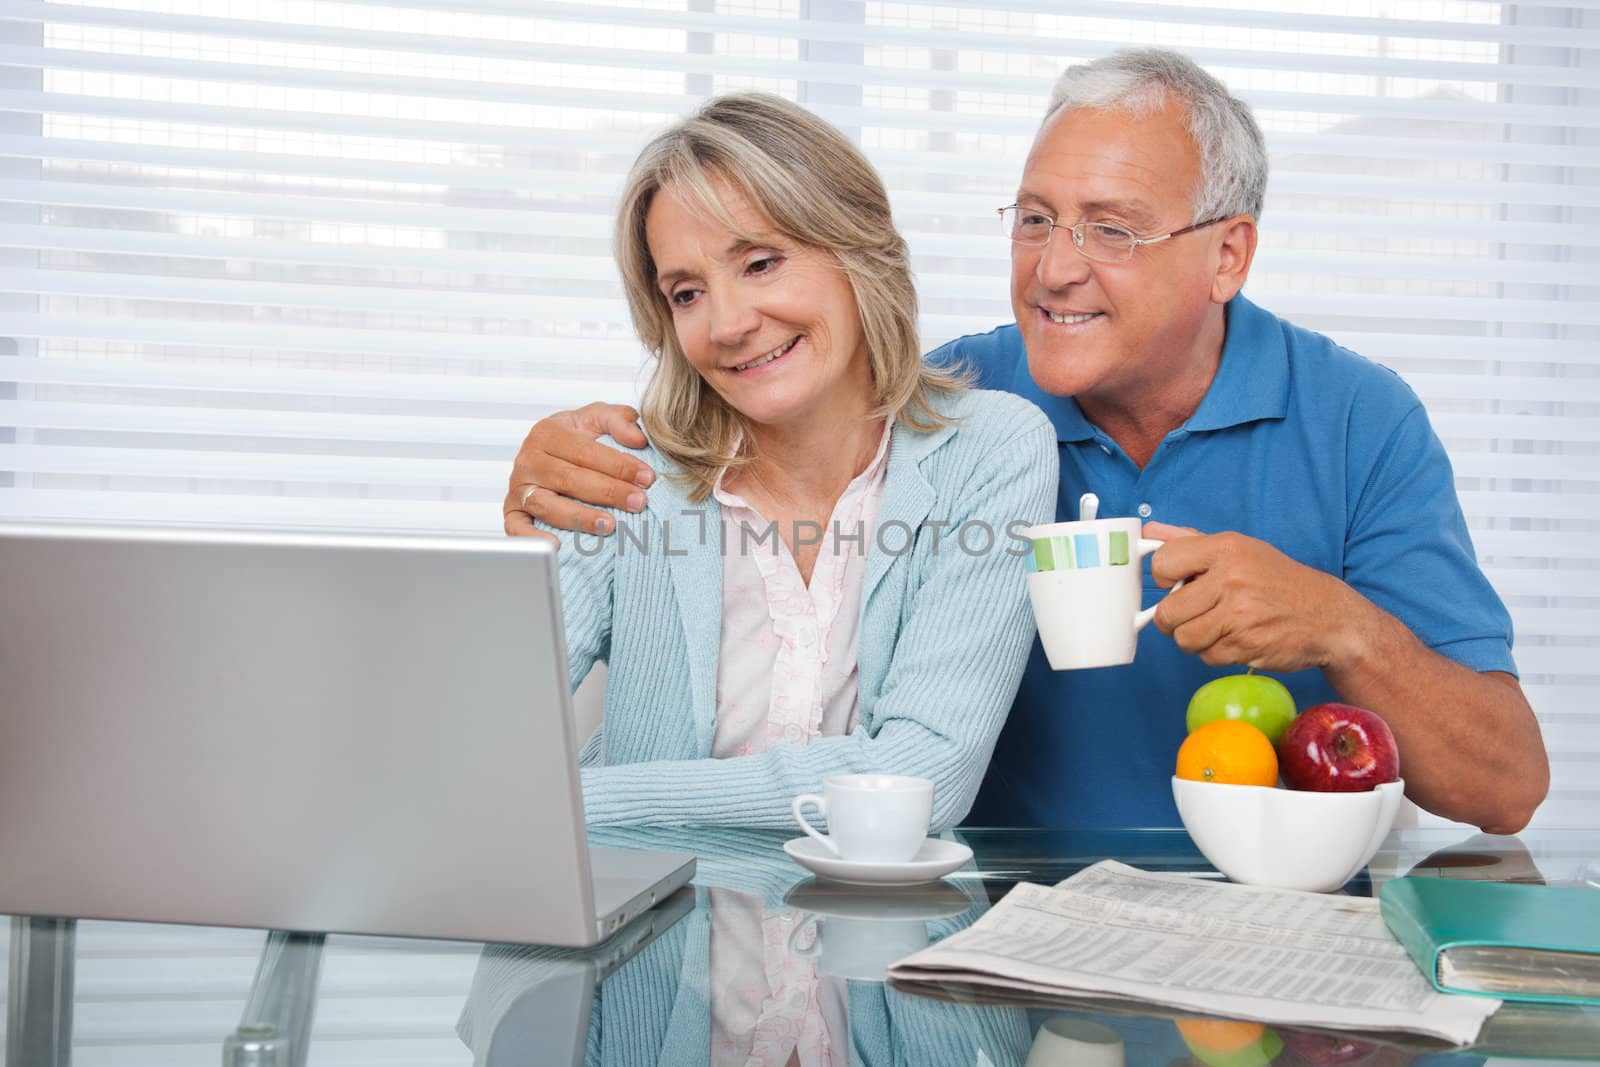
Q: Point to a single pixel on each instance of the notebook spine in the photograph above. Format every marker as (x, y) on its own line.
(1395, 905)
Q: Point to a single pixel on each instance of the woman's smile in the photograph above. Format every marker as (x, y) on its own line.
(768, 358)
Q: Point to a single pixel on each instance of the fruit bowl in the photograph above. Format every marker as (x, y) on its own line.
(1286, 838)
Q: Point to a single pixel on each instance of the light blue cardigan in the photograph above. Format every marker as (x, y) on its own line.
(944, 632)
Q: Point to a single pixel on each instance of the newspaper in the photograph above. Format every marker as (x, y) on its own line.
(1241, 952)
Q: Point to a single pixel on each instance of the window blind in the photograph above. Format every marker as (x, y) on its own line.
(311, 263)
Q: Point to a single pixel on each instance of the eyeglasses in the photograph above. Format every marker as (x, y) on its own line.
(1100, 241)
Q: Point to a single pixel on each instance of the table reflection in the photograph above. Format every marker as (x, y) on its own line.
(757, 963)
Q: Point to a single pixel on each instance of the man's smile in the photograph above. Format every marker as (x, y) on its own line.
(1070, 318)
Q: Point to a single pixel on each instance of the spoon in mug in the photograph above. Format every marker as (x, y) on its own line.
(1088, 507)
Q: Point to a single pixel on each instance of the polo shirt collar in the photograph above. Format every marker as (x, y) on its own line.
(1253, 381)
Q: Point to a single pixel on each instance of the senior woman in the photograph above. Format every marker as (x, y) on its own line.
(795, 601)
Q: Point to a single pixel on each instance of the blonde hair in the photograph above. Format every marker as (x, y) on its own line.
(812, 185)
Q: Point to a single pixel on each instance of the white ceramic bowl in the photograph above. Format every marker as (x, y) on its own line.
(1286, 838)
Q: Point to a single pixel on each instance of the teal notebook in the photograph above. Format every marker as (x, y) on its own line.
(1499, 939)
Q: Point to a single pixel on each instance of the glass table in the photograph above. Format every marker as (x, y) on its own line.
(757, 963)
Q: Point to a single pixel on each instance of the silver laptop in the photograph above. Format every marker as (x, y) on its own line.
(359, 734)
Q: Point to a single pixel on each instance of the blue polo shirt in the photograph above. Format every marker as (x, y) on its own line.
(1298, 442)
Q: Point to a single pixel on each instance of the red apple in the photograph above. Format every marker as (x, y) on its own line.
(1324, 1050)
(1336, 748)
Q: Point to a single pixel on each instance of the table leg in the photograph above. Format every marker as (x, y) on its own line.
(39, 996)
(275, 1029)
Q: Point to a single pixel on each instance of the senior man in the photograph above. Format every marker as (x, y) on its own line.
(1300, 488)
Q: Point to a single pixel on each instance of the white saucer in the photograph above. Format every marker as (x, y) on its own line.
(937, 899)
(935, 859)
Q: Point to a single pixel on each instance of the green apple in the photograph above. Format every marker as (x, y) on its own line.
(1258, 1053)
(1258, 700)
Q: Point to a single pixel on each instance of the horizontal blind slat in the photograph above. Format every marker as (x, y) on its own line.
(1550, 660)
(1379, 345)
(602, 268)
(522, 179)
(1450, 309)
(384, 384)
(1296, 19)
(378, 299)
(1555, 389)
(308, 208)
(588, 222)
(192, 463)
(477, 262)
(1531, 505)
(410, 428)
(240, 73)
(1506, 545)
(1512, 466)
(553, 352)
(1560, 583)
(471, 346)
(936, 330)
(576, 391)
(509, 179)
(821, 28)
(1524, 74)
(1355, 186)
(1571, 703)
(1364, 266)
(1304, 224)
(1555, 622)
(1331, 143)
(611, 310)
(443, 474)
(985, 296)
(1572, 429)
(237, 509)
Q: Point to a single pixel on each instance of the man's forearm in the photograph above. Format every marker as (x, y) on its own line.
(1470, 747)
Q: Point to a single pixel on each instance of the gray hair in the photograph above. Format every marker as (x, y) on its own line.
(1233, 154)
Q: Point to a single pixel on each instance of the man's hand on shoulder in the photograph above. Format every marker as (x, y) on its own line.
(561, 467)
(1246, 603)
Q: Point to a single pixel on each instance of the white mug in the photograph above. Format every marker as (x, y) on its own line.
(872, 818)
(1085, 584)
(1065, 1041)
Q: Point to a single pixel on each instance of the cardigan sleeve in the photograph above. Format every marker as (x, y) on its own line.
(586, 567)
(958, 658)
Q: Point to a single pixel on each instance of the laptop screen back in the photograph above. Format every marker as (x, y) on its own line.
(359, 734)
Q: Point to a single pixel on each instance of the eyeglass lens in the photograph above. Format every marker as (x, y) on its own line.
(1097, 240)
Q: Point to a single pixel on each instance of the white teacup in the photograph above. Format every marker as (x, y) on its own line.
(1085, 584)
(860, 948)
(872, 818)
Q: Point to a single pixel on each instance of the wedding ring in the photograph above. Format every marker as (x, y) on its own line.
(526, 493)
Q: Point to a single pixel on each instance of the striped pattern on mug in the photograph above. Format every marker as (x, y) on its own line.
(1079, 551)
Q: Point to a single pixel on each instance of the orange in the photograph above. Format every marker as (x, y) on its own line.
(1219, 1035)
(1229, 751)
